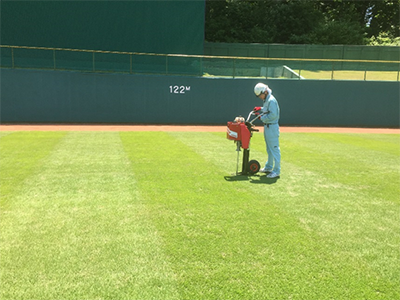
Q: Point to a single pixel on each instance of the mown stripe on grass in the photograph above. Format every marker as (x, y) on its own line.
(360, 230)
(381, 143)
(79, 229)
(360, 165)
(354, 201)
(234, 239)
(5, 133)
(20, 154)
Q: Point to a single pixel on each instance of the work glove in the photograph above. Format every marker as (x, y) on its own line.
(257, 110)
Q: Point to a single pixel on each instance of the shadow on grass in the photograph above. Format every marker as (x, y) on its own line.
(256, 179)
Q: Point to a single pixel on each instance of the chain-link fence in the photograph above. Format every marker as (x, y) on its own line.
(196, 65)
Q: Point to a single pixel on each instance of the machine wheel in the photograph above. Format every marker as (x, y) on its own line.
(253, 167)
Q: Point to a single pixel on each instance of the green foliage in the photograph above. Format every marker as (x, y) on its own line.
(384, 39)
(340, 32)
(294, 22)
(232, 21)
(385, 18)
(300, 22)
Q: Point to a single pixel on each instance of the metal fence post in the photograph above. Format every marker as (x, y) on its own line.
(201, 66)
(398, 72)
(234, 67)
(301, 66)
(12, 58)
(93, 63)
(130, 63)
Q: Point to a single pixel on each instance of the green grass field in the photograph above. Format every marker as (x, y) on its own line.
(157, 215)
(351, 75)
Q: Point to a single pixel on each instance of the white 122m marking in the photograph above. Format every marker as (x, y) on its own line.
(176, 89)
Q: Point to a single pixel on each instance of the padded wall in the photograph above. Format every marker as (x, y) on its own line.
(36, 96)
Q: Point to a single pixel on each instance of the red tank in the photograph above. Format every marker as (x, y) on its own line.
(239, 132)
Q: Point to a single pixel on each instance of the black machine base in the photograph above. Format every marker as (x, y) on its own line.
(249, 167)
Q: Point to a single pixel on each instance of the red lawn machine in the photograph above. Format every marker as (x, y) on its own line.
(240, 131)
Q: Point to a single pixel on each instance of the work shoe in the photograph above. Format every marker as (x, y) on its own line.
(272, 175)
(265, 170)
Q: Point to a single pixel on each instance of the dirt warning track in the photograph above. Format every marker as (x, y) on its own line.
(101, 127)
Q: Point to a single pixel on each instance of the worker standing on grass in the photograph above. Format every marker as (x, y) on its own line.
(269, 115)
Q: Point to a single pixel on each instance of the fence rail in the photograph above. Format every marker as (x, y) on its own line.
(361, 52)
(83, 60)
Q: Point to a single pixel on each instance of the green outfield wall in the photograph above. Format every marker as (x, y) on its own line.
(39, 96)
(348, 52)
(134, 26)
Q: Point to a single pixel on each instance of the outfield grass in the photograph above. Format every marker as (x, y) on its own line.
(351, 75)
(157, 215)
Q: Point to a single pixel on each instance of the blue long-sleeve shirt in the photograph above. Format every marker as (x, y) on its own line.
(271, 110)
